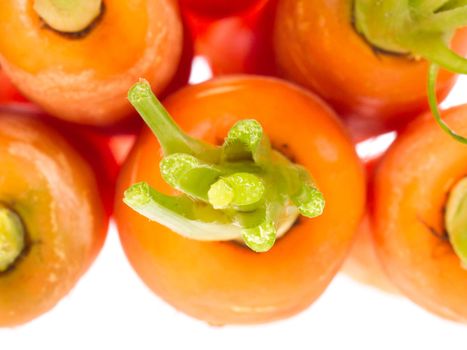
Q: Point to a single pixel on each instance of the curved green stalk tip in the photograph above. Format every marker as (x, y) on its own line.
(245, 141)
(456, 219)
(137, 194)
(432, 100)
(220, 194)
(12, 237)
(309, 201)
(171, 138)
(248, 132)
(239, 191)
(248, 188)
(187, 174)
(139, 91)
(174, 166)
(261, 238)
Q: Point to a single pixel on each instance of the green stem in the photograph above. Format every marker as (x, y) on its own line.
(181, 214)
(451, 4)
(170, 136)
(246, 141)
(239, 191)
(434, 49)
(428, 5)
(260, 238)
(432, 100)
(11, 237)
(189, 175)
(447, 20)
(68, 16)
(456, 219)
(420, 28)
(242, 190)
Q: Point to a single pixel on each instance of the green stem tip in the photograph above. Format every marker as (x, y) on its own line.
(11, 237)
(68, 16)
(419, 28)
(242, 190)
(456, 219)
(432, 100)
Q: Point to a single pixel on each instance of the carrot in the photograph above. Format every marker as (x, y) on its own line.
(78, 62)
(8, 93)
(223, 271)
(239, 44)
(214, 9)
(52, 219)
(370, 59)
(419, 215)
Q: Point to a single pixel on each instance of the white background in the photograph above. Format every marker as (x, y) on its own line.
(111, 308)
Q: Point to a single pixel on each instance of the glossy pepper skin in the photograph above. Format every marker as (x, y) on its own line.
(225, 282)
(410, 195)
(318, 47)
(54, 192)
(85, 79)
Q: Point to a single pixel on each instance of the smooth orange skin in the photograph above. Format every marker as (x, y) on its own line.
(317, 46)
(86, 80)
(55, 193)
(411, 190)
(225, 282)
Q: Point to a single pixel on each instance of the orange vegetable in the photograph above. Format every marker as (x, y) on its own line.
(364, 61)
(83, 76)
(52, 220)
(226, 282)
(419, 223)
(234, 45)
